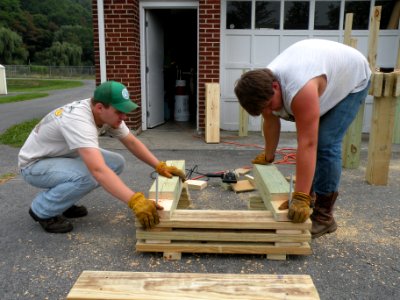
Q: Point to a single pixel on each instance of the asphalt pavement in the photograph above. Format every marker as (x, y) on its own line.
(361, 260)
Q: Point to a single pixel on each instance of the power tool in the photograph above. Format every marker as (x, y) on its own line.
(229, 176)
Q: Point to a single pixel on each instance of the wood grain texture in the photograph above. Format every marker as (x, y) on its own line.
(175, 286)
(212, 119)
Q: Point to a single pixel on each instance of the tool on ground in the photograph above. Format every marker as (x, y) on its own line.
(290, 189)
(228, 176)
(157, 188)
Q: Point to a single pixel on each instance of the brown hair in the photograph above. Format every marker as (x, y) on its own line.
(94, 102)
(254, 89)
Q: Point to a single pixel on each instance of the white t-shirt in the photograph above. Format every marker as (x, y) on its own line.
(346, 69)
(64, 130)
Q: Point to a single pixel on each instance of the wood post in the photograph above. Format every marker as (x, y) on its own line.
(385, 88)
(396, 133)
(212, 112)
(243, 118)
(351, 145)
(386, 91)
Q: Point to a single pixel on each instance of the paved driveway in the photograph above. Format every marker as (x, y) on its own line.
(17, 112)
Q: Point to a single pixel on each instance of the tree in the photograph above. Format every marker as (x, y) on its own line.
(78, 35)
(60, 54)
(11, 48)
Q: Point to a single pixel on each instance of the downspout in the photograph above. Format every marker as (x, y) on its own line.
(102, 45)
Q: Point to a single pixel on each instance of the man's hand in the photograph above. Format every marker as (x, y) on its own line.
(145, 210)
(299, 208)
(169, 171)
(260, 159)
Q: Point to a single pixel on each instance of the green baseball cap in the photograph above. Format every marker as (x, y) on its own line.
(115, 94)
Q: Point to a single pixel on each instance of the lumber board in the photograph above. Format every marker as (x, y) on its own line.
(212, 119)
(196, 184)
(228, 219)
(351, 144)
(243, 186)
(243, 122)
(380, 140)
(114, 285)
(224, 247)
(232, 235)
(374, 36)
(169, 188)
(273, 188)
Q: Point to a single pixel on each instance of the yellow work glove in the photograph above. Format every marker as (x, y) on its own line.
(169, 171)
(299, 208)
(145, 210)
(261, 160)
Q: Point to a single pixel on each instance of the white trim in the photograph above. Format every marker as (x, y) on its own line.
(102, 43)
(150, 4)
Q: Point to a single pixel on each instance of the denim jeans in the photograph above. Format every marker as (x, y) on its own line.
(65, 180)
(332, 128)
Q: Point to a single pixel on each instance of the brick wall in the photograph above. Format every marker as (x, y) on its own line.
(209, 49)
(122, 38)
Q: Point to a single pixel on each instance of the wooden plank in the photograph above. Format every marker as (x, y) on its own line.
(169, 188)
(175, 286)
(389, 79)
(374, 36)
(226, 235)
(196, 184)
(273, 189)
(351, 144)
(243, 186)
(224, 247)
(212, 118)
(378, 84)
(229, 219)
(243, 117)
(380, 140)
(347, 29)
(243, 122)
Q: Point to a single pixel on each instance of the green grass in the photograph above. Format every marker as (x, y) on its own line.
(22, 97)
(16, 135)
(36, 85)
(30, 89)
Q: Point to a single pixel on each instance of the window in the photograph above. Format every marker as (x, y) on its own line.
(360, 10)
(296, 14)
(389, 13)
(268, 14)
(327, 15)
(238, 14)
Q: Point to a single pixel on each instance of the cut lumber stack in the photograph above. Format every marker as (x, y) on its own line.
(252, 231)
(174, 286)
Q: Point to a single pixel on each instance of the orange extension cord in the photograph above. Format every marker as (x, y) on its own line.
(288, 155)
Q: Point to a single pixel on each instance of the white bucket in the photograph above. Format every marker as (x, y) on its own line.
(181, 113)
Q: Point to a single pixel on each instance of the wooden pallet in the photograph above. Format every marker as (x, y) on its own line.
(154, 285)
(226, 231)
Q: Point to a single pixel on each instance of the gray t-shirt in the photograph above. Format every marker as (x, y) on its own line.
(64, 130)
(346, 70)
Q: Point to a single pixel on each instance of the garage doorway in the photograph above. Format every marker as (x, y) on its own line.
(169, 74)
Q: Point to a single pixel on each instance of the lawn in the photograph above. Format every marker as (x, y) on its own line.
(29, 89)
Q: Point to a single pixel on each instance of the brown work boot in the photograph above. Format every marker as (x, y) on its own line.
(322, 216)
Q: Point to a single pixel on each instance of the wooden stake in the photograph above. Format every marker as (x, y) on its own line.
(212, 112)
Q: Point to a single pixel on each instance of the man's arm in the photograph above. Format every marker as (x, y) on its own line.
(137, 148)
(271, 128)
(305, 107)
(110, 181)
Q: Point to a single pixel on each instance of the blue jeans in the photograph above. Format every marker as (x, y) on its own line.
(332, 128)
(66, 181)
